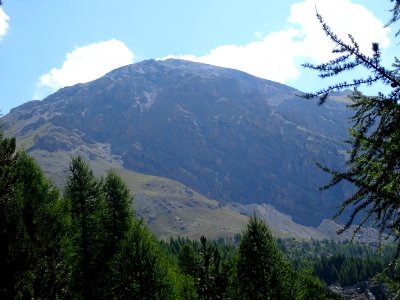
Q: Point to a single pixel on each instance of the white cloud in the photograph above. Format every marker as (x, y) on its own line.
(3, 23)
(259, 35)
(343, 17)
(276, 55)
(85, 64)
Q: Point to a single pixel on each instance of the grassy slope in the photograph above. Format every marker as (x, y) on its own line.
(169, 208)
(172, 209)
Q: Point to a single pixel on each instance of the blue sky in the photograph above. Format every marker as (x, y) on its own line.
(46, 45)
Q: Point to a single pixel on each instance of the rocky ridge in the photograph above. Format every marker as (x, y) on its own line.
(223, 133)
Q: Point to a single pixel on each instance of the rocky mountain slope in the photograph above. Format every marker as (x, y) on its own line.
(223, 133)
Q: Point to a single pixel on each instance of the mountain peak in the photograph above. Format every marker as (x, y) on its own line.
(182, 67)
(222, 132)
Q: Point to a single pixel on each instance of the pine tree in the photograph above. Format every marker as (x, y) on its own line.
(260, 266)
(211, 280)
(10, 226)
(43, 218)
(119, 211)
(115, 224)
(86, 204)
(31, 229)
(138, 269)
(188, 260)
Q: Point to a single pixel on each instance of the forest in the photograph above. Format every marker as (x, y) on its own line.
(85, 242)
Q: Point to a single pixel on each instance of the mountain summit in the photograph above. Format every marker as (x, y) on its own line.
(224, 133)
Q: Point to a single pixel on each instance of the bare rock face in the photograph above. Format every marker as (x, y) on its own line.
(226, 134)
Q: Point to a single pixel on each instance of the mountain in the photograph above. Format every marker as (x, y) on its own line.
(223, 133)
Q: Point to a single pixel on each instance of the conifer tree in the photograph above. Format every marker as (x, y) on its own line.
(116, 224)
(188, 260)
(87, 209)
(374, 161)
(43, 218)
(212, 281)
(138, 269)
(260, 266)
(14, 243)
(31, 229)
(8, 210)
(119, 211)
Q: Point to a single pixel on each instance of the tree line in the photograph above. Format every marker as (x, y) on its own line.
(347, 263)
(86, 243)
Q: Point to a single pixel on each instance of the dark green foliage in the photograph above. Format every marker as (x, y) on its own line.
(208, 263)
(115, 217)
(138, 270)
(86, 204)
(262, 272)
(7, 181)
(213, 276)
(347, 270)
(119, 212)
(260, 266)
(226, 248)
(43, 217)
(188, 260)
(295, 283)
(391, 278)
(10, 220)
(336, 263)
(114, 256)
(309, 287)
(31, 229)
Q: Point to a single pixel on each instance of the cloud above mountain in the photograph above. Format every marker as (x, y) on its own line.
(277, 55)
(4, 19)
(84, 64)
